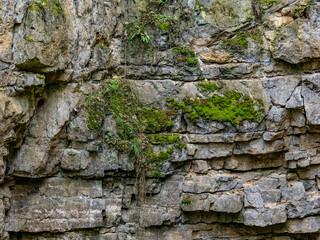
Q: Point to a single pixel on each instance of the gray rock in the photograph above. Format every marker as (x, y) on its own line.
(213, 183)
(213, 150)
(252, 197)
(295, 100)
(304, 208)
(294, 192)
(74, 160)
(305, 225)
(262, 217)
(229, 203)
(258, 147)
(311, 98)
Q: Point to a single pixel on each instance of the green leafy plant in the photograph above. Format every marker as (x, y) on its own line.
(152, 17)
(136, 30)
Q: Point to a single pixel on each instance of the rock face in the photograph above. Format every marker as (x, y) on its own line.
(237, 81)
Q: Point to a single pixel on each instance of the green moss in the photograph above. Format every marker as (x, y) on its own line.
(155, 173)
(30, 39)
(151, 16)
(155, 120)
(269, 1)
(236, 43)
(186, 201)
(102, 47)
(192, 61)
(41, 2)
(207, 87)
(161, 156)
(164, 26)
(41, 77)
(185, 54)
(240, 41)
(53, 6)
(232, 107)
(167, 138)
(184, 51)
(303, 10)
(164, 138)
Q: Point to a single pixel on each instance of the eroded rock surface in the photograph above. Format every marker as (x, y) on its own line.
(245, 172)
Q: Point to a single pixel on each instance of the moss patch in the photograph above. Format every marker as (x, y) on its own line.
(229, 106)
(184, 54)
(240, 40)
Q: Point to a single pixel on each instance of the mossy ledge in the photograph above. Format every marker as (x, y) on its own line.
(138, 129)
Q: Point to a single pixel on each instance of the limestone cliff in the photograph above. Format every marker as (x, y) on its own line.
(160, 119)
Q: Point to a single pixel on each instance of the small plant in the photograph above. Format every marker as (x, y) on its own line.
(136, 30)
(152, 17)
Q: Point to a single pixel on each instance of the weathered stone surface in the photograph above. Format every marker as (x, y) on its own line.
(226, 202)
(254, 179)
(212, 183)
(294, 42)
(212, 151)
(295, 100)
(263, 217)
(311, 98)
(56, 204)
(305, 225)
(258, 147)
(304, 208)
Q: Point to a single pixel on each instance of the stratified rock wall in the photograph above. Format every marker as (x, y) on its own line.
(254, 177)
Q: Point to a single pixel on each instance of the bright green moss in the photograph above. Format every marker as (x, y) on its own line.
(192, 61)
(233, 107)
(53, 5)
(268, 1)
(43, 77)
(30, 39)
(155, 173)
(164, 26)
